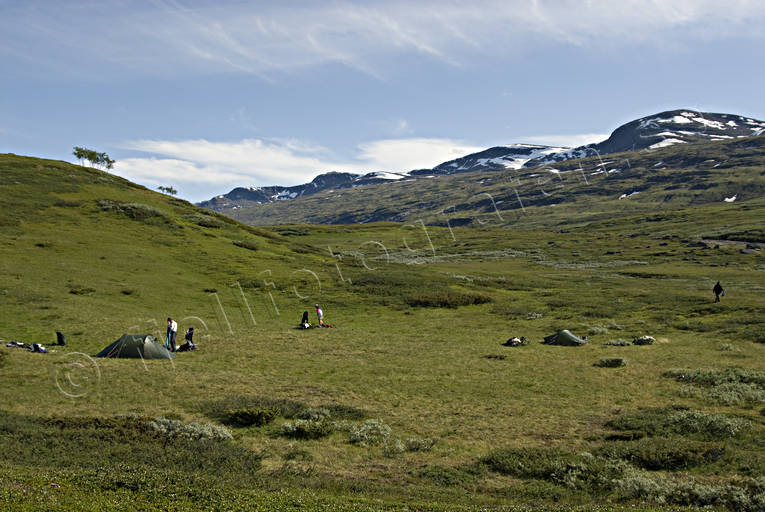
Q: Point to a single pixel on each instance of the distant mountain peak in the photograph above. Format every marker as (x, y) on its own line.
(651, 132)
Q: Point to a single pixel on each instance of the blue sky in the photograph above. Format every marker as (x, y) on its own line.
(208, 95)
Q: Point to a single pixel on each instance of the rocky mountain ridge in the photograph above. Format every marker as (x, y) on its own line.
(651, 132)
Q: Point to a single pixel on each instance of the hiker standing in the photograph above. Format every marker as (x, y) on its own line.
(320, 315)
(718, 289)
(172, 331)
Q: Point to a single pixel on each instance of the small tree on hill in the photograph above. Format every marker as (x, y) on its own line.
(167, 190)
(95, 158)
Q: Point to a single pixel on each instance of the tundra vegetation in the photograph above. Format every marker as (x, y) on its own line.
(398, 406)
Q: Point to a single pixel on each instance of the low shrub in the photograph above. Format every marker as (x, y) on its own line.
(582, 471)
(393, 447)
(741, 494)
(205, 221)
(371, 432)
(618, 343)
(219, 409)
(445, 298)
(447, 477)
(718, 376)
(306, 429)
(680, 421)
(136, 211)
(697, 422)
(611, 362)
(664, 454)
(417, 444)
(597, 329)
(729, 393)
(246, 244)
(191, 431)
(314, 414)
(644, 340)
(248, 417)
(725, 347)
(78, 289)
(126, 452)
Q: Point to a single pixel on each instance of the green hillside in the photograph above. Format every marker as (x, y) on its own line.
(411, 401)
(564, 194)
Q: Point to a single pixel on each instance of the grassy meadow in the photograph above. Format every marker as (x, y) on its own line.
(411, 401)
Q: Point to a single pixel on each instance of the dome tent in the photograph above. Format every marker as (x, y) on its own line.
(139, 346)
(564, 337)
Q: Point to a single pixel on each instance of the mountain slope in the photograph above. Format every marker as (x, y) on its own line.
(666, 178)
(652, 132)
(77, 240)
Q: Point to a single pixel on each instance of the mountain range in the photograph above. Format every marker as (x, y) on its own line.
(653, 132)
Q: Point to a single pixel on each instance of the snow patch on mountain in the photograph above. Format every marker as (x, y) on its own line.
(666, 142)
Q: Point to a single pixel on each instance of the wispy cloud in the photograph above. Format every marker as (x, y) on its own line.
(262, 38)
(200, 169)
(409, 154)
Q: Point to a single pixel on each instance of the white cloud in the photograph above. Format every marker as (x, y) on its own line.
(266, 37)
(409, 154)
(200, 169)
(565, 140)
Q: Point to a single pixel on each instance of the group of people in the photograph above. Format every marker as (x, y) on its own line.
(319, 315)
(172, 332)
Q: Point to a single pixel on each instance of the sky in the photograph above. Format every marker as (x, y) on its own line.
(205, 96)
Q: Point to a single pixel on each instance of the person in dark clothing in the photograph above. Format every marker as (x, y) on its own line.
(718, 289)
(304, 321)
(189, 345)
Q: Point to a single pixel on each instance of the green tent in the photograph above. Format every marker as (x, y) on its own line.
(564, 337)
(143, 346)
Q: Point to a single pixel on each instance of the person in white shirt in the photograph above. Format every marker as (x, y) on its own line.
(172, 331)
(320, 315)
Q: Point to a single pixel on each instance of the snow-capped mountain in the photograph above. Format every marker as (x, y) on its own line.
(656, 131)
(651, 132)
(513, 156)
(241, 196)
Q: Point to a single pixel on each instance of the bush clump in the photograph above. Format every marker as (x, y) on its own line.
(417, 444)
(664, 454)
(314, 414)
(136, 211)
(205, 221)
(611, 362)
(191, 431)
(729, 393)
(582, 471)
(618, 343)
(644, 340)
(445, 299)
(718, 376)
(219, 409)
(78, 289)
(742, 495)
(248, 417)
(680, 421)
(246, 244)
(371, 432)
(306, 429)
